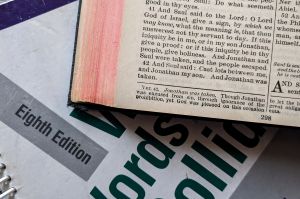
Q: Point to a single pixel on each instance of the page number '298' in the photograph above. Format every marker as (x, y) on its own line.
(266, 117)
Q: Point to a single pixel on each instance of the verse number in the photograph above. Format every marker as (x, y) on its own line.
(285, 15)
(266, 117)
(146, 63)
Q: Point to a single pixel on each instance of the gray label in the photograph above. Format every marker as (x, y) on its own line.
(46, 130)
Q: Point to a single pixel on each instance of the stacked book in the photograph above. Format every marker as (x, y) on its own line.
(225, 59)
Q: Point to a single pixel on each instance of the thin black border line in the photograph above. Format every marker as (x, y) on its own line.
(295, 98)
(201, 89)
(272, 56)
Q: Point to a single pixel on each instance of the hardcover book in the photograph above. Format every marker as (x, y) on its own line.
(215, 59)
(140, 156)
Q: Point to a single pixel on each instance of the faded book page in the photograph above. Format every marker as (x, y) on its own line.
(235, 60)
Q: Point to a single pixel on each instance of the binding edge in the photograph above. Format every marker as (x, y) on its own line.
(6, 190)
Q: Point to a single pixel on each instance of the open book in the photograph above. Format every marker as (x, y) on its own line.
(217, 59)
(153, 156)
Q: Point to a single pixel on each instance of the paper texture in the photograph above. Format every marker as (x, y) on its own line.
(147, 155)
(276, 173)
(218, 59)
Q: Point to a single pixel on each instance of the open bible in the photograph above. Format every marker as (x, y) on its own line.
(236, 60)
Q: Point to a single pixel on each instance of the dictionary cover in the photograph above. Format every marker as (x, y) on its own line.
(217, 59)
(53, 151)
